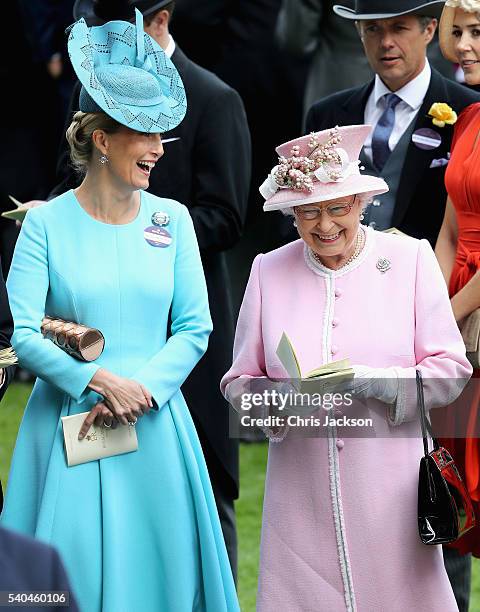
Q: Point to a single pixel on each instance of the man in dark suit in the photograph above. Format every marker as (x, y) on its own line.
(6, 330)
(206, 166)
(238, 44)
(405, 147)
(28, 565)
(311, 27)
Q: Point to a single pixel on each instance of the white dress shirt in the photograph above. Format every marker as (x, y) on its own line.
(412, 95)
(170, 47)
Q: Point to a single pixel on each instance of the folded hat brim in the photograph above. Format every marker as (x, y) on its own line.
(429, 9)
(90, 48)
(322, 192)
(445, 28)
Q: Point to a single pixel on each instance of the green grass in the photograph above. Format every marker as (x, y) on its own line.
(475, 597)
(11, 410)
(253, 458)
(253, 461)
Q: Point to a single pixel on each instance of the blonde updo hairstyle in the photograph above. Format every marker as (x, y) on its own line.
(79, 137)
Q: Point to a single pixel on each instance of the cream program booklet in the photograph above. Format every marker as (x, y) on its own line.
(7, 357)
(100, 442)
(17, 214)
(334, 372)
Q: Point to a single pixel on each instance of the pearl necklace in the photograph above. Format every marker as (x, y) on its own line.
(359, 244)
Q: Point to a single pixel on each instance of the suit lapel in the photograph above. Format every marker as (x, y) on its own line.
(417, 161)
(179, 60)
(354, 105)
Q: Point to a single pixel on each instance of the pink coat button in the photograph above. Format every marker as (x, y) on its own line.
(340, 444)
(334, 349)
(338, 293)
(335, 322)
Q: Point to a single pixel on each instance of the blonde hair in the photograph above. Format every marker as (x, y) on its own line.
(79, 136)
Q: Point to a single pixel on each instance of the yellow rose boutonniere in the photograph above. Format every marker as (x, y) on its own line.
(442, 114)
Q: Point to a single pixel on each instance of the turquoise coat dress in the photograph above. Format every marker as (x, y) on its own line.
(138, 531)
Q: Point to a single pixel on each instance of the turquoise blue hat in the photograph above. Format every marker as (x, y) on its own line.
(127, 75)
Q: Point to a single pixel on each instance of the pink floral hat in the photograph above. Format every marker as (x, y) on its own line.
(319, 167)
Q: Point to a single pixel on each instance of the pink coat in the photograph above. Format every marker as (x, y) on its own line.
(340, 516)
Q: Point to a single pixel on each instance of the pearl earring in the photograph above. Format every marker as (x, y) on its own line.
(294, 223)
(103, 159)
(362, 217)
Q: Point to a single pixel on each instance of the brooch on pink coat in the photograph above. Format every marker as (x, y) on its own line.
(383, 264)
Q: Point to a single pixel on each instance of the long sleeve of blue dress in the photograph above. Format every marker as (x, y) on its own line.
(28, 286)
(191, 324)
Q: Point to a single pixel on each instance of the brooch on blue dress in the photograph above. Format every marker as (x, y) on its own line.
(160, 218)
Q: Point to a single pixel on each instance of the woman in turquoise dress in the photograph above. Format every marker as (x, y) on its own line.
(137, 531)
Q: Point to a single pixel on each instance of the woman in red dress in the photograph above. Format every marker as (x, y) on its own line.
(458, 245)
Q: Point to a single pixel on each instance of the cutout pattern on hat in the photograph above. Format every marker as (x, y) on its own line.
(136, 84)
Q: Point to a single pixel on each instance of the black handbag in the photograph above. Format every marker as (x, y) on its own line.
(445, 510)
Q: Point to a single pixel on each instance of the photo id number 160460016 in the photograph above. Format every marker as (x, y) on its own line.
(34, 598)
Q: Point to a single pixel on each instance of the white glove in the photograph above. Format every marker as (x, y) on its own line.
(245, 386)
(377, 383)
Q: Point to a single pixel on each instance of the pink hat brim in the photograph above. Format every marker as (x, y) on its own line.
(355, 184)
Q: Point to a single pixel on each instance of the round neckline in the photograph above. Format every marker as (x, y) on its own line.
(104, 223)
(322, 270)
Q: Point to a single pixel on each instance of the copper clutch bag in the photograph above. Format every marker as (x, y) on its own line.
(84, 343)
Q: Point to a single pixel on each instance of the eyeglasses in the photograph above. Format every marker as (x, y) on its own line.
(339, 209)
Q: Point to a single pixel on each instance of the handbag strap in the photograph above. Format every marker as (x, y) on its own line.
(425, 423)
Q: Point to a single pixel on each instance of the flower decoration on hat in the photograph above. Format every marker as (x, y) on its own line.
(442, 114)
(324, 162)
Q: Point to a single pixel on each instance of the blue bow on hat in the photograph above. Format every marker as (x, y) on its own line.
(127, 75)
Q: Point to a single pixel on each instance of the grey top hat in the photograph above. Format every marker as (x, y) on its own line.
(385, 9)
(98, 12)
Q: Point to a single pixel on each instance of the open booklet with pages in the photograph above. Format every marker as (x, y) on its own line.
(16, 214)
(7, 357)
(324, 376)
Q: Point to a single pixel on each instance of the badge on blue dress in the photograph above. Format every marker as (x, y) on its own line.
(157, 236)
(160, 218)
(426, 138)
